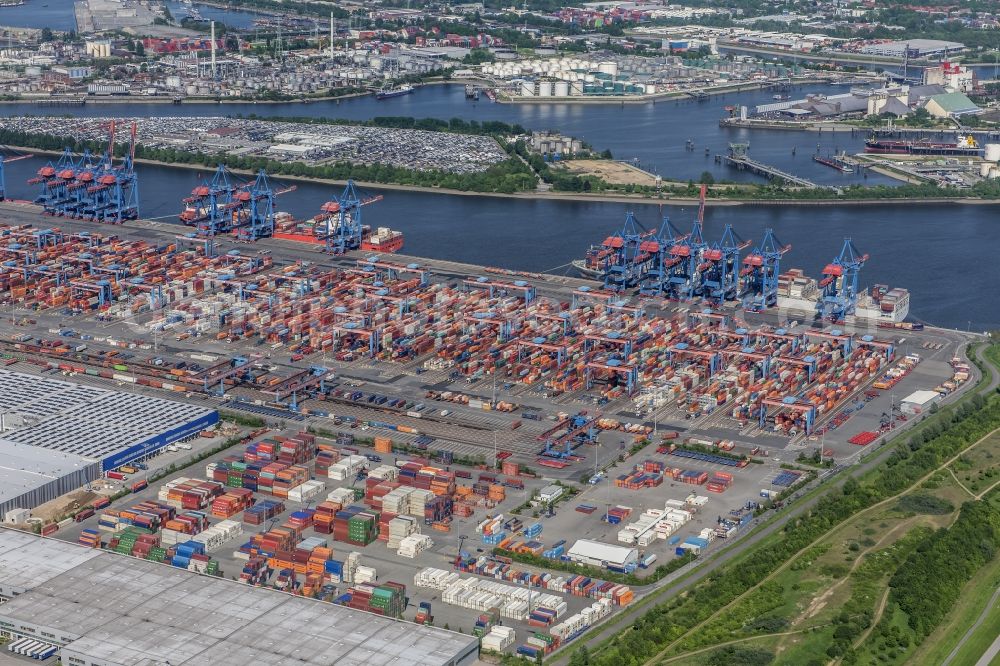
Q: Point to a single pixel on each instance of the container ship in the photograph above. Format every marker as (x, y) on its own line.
(965, 146)
(882, 305)
(315, 231)
(386, 93)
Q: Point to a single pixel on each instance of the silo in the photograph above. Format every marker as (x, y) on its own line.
(545, 89)
(527, 89)
(561, 89)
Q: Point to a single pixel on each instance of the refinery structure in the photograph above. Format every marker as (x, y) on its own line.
(392, 402)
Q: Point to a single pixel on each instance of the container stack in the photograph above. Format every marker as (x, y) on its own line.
(719, 482)
(617, 514)
(413, 545)
(215, 536)
(324, 459)
(347, 468)
(90, 538)
(388, 599)
(514, 602)
(184, 493)
(307, 492)
(385, 473)
(182, 527)
(498, 639)
(401, 527)
(342, 496)
(383, 445)
(232, 502)
(263, 511)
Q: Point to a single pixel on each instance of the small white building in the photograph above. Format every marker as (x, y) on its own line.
(550, 494)
(598, 554)
(918, 401)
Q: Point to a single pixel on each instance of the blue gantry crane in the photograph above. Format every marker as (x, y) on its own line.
(655, 281)
(254, 219)
(210, 204)
(630, 254)
(340, 221)
(114, 196)
(759, 277)
(839, 286)
(55, 179)
(720, 268)
(562, 439)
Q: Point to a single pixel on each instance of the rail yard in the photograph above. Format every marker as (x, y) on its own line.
(444, 403)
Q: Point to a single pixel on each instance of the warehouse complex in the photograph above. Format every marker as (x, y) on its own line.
(149, 613)
(30, 475)
(57, 436)
(111, 427)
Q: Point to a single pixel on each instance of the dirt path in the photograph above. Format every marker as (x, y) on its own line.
(960, 484)
(735, 641)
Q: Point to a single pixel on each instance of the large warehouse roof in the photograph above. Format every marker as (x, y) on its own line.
(24, 467)
(87, 421)
(26, 561)
(120, 610)
(597, 551)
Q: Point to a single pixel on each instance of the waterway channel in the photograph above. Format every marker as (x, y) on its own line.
(944, 254)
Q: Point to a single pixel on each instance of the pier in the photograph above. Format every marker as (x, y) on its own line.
(739, 158)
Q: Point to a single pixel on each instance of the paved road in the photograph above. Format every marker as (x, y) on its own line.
(992, 650)
(666, 588)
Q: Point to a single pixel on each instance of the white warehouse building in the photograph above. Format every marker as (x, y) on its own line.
(599, 554)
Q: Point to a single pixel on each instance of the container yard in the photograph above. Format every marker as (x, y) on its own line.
(420, 414)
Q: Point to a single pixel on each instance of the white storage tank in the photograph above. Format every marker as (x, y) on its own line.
(589, 78)
(545, 89)
(608, 67)
(576, 88)
(650, 88)
(992, 152)
(527, 89)
(561, 89)
(985, 168)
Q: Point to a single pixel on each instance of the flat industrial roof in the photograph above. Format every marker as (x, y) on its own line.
(921, 397)
(84, 420)
(129, 611)
(598, 550)
(24, 467)
(27, 561)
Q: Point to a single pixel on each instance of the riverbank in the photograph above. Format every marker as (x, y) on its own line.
(578, 197)
(689, 94)
(828, 126)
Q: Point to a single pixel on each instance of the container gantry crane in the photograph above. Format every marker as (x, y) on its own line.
(55, 180)
(342, 219)
(759, 277)
(720, 268)
(628, 257)
(685, 256)
(115, 196)
(839, 286)
(89, 165)
(655, 280)
(207, 207)
(255, 219)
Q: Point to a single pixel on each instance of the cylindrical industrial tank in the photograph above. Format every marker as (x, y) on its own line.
(995, 172)
(589, 78)
(608, 67)
(576, 88)
(561, 89)
(993, 152)
(985, 168)
(545, 89)
(527, 89)
(191, 90)
(650, 88)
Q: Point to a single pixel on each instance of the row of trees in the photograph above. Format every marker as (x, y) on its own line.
(929, 583)
(908, 463)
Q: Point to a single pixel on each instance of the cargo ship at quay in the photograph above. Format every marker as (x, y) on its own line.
(964, 146)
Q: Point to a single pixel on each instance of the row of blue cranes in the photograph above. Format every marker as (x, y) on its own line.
(220, 205)
(684, 267)
(91, 186)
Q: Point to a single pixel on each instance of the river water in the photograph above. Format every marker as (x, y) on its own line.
(944, 254)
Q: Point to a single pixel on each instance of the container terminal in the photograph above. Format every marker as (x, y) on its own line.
(420, 413)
